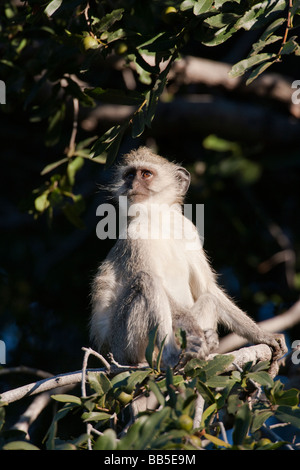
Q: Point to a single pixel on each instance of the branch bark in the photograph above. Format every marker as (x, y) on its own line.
(253, 354)
(195, 70)
(203, 113)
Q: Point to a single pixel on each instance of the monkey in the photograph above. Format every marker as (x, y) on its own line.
(163, 282)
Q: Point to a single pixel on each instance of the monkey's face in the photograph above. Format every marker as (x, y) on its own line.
(150, 179)
(139, 183)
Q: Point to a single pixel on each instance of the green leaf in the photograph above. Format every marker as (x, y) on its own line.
(156, 390)
(290, 47)
(171, 388)
(108, 144)
(262, 365)
(215, 38)
(151, 426)
(217, 365)
(55, 126)
(258, 71)
(234, 403)
(207, 415)
(99, 382)
(135, 378)
(151, 345)
(241, 67)
(107, 21)
(108, 441)
(64, 398)
(241, 424)
(51, 434)
(287, 414)
(262, 377)
(260, 45)
(120, 380)
(54, 165)
(19, 445)
(52, 7)
(259, 417)
(72, 168)
(42, 203)
(138, 123)
(113, 148)
(272, 28)
(159, 355)
(215, 440)
(102, 143)
(205, 392)
(95, 416)
(287, 397)
(218, 381)
(221, 20)
(202, 7)
(187, 4)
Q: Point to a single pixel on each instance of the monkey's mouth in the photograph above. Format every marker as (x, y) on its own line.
(136, 195)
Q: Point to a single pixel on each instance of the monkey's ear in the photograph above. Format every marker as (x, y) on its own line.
(184, 179)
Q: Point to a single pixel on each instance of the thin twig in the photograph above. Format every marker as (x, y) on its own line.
(102, 359)
(274, 437)
(75, 127)
(87, 353)
(198, 411)
(288, 26)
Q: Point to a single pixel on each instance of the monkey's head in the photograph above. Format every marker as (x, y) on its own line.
(143, 177)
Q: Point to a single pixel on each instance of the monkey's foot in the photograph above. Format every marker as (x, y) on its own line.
(196, 347)
(212, 340)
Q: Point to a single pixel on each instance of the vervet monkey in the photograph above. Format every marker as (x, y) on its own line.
(161, 281)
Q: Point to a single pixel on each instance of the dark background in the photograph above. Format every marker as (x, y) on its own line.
(46, 267)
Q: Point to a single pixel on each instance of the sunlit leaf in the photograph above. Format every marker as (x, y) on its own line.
(241, 67)
(64, 398)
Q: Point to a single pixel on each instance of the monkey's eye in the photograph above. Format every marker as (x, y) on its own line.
(146, 174)
(129, 175)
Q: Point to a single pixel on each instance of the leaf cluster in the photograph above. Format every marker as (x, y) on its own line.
(51, 48)
(230, 398)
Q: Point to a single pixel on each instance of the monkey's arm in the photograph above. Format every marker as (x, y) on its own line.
(238, 321)
(213, 306)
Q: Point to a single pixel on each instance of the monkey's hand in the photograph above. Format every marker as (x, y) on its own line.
(277, 343)
(196, 347)
(212, 340)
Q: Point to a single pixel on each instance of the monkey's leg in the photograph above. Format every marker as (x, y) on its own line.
(204, 313)
(143, 307)
(201, 338)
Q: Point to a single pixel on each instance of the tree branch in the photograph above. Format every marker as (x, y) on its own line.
(254, 354)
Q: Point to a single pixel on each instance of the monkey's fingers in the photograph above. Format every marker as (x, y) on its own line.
(196, 347)
(278, 345)
(212, 340)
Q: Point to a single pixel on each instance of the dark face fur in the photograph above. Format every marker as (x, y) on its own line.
(138, 183)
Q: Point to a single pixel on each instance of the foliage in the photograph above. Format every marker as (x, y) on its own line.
(52, 51)
(56, 60)
(230, 400)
